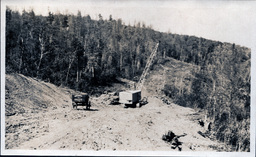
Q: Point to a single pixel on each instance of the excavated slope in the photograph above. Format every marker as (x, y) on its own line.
(39, 116)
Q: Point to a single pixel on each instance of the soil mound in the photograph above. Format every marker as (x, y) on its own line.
(25, 94)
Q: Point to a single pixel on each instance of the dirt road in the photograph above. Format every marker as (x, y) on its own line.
(116, 128)
(39, 116)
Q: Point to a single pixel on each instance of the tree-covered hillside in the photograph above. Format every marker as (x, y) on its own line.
(78, 52)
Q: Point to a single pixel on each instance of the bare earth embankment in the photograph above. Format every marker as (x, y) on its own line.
(39, 116)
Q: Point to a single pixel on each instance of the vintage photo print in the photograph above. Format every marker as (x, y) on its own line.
(133, 78)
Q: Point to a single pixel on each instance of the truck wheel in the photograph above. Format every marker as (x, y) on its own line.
(138, 105)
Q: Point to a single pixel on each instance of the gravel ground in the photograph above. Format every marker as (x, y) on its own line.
(56, 126)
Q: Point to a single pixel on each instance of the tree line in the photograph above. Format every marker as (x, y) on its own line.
(79, 52)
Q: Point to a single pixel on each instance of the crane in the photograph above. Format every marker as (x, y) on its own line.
(133, 97)
(144, 73)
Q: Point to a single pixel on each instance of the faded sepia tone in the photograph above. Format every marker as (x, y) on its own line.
(127, 76)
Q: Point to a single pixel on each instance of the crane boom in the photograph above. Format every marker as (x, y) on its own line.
(144, 73)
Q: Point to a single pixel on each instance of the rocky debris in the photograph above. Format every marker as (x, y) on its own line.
(173, 139)
(165, 100)
(201, 122)
(204, 134)
(207, 128)
(115, 100)
(107, 99)
(205, 124)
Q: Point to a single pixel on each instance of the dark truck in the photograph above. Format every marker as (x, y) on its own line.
(81, 100)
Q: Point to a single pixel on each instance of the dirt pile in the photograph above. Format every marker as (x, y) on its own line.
(27, 103)
(25, 94)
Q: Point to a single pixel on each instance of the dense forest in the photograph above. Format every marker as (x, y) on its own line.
(79, 52)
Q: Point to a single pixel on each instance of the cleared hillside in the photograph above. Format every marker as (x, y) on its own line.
(222, 94)
(169, 72)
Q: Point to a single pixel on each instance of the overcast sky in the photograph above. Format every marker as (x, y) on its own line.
(226, 21)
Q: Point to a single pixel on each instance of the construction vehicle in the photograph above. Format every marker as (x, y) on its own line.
(81, 100)
(132, 98)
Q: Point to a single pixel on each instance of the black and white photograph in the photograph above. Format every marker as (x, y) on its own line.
(108, 77)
